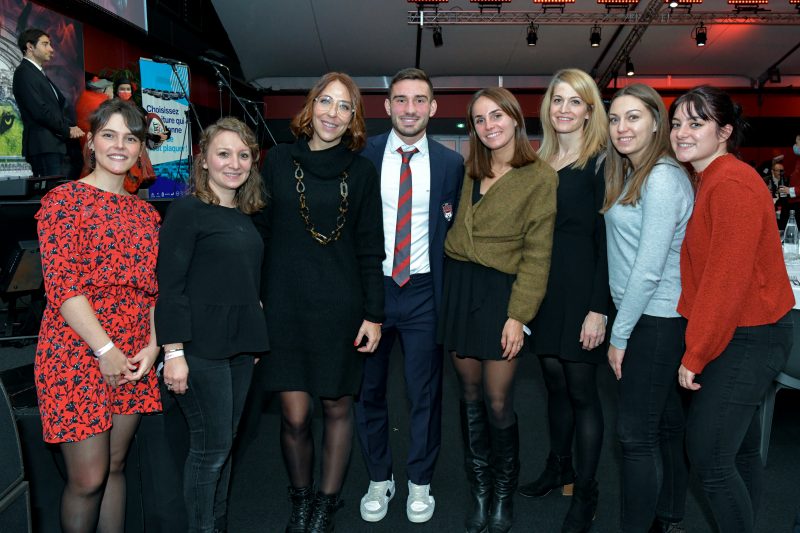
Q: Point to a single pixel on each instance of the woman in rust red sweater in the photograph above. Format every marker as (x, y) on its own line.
(736, 297)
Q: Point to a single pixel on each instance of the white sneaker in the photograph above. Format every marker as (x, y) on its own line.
(375, 502)
(420, 503)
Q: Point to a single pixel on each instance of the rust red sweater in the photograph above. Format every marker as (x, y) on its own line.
(732, 269)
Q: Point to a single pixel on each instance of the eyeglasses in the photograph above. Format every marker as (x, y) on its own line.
(343, 107)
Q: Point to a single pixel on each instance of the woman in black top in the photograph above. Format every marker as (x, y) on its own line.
(324, 283)
(208, 315)
(569, 329)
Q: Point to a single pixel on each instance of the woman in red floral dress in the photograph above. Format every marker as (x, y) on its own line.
(97, 344)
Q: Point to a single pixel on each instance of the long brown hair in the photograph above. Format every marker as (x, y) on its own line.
(595, 129)
(356, 135)
(618, 166)
(479, 162)
(248, 196)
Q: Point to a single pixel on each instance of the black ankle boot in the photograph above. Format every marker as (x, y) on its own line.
(557, 473)
(323, 512)
(505, 467)
(301, 509)
(582, 508)
(475, 433)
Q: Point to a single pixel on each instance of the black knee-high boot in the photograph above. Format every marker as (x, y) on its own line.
(505, 467)
(475, 432)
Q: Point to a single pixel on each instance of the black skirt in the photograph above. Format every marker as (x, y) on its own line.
(474, 309)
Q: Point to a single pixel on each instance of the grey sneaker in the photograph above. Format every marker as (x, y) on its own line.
(420, 503)
(375, 502)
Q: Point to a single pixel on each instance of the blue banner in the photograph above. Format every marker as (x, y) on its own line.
(167, 106)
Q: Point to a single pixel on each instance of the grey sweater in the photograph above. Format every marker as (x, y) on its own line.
(644, 244)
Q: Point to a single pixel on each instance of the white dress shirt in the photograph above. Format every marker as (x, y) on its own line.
(420, 201)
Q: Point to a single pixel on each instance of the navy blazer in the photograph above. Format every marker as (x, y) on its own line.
(45, 126)
(447, 174)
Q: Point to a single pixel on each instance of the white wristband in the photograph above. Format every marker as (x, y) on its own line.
(104, 349)
(173, 354)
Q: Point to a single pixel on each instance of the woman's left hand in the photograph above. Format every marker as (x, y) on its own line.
(593, 331)
(144, 361)
(372, 332)
(512, 338)
(686, 379)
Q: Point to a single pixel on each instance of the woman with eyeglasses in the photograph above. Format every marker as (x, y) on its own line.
(322, 287)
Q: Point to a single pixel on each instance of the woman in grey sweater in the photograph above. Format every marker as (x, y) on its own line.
(647, 206)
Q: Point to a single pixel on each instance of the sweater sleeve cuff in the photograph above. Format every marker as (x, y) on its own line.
(173, 320)
(694, 362)
(618, 342)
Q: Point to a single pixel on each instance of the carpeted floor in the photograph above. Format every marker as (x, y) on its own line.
(258, 494)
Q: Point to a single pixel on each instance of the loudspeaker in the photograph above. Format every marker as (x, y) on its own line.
(15, 510)
(11, 473)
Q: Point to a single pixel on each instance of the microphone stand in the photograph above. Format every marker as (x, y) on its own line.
(231, 92)
(188, 120)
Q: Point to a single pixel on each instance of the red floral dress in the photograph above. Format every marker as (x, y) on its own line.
(103, 246)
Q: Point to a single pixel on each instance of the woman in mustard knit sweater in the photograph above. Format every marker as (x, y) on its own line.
(498, 259)
(736, 297)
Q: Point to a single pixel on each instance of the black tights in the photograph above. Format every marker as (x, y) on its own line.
(94, 496)
(573, 407)
(491, 382)
(297, 441)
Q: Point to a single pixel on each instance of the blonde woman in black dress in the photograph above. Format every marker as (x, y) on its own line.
(569, 328)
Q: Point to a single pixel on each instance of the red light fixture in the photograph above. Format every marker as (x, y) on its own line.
(556, 1)
(676, 3)
(747, 2)
(618, 2)
(490, 1)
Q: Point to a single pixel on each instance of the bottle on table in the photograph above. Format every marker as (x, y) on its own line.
(791, 239)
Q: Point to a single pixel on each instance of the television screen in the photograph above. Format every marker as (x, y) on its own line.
(131, 11)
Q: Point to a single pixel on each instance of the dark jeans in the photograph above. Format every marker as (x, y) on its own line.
(723, 429)
(212, 407)
(650, 425)
(49, 164)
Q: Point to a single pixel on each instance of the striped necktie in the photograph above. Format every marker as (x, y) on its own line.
(401, 266)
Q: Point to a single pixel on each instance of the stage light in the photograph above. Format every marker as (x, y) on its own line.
(437, 37)
(553, 1)
(684, 3)
(594, 36)
(629, 67)
(699, 34)
(532, 36)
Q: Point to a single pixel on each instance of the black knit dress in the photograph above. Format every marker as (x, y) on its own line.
(316, 296)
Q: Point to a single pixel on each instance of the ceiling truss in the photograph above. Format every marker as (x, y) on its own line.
(433, 17)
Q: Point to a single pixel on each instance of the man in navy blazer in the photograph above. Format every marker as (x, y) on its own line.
(411, 303)
(41, 107)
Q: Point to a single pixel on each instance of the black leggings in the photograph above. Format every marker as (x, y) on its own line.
(573, 408)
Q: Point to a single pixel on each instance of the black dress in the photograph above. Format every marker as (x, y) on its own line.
(475, 305)
(578, 281)
(316, 297)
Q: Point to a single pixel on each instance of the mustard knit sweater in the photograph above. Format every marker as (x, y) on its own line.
(511, 230)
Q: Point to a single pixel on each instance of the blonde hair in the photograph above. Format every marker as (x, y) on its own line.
(595, 129)
(618, 166)
(248, 196)
(479, 162)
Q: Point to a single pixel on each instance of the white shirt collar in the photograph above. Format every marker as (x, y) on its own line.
(395, 142)
(35, 64)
